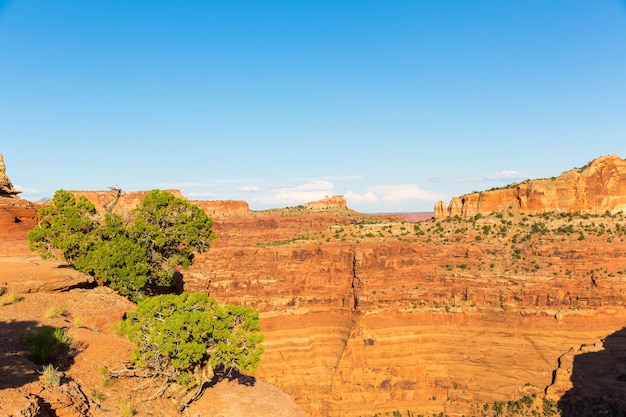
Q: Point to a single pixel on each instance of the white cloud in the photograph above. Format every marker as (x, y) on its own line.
(368, 197)
(506, 175)
(178, 185)
(201, 194)
(393, 194)
(346, 177)
(249, 188)
(403, 192)
(33, 194)
(27, 190)
(303, 193)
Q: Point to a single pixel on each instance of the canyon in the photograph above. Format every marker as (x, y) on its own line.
(506, 294)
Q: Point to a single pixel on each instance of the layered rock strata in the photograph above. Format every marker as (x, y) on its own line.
(385, 327)
(598, 187)
(366, 315)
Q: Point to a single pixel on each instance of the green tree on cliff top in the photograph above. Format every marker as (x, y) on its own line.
(134, 258)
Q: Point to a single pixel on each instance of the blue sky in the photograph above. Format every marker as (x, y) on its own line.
(393, 104)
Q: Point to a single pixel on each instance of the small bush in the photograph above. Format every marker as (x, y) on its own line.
(78, 322)
(46, 344)
(97, 395)
(126, 409)
(11, 298)
(53, 312)
(108, 380)
(51, 375)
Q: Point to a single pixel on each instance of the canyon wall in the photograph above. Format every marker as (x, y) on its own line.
(365, 314)
(598, 187)
(376, 326)
(212, 207)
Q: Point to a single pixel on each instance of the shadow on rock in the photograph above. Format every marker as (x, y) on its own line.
(232, 375)
(25, 347)
(599, 381)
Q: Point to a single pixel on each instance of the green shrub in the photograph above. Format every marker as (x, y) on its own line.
(179, 336)
(126, 408)
(51, 375)
(54, 311)
(46, 343)
(11, 298)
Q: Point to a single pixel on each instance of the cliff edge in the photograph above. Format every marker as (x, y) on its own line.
(596, 188)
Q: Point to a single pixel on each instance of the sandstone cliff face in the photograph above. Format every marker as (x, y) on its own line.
(212, 207)
(595, 188)
(370, 318)
(365, 315)
(17, 218)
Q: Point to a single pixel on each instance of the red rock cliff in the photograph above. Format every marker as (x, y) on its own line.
(598, 187)
(17, 218)
(366, 315)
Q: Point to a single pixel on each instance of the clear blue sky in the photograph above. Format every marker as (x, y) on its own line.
(393, 104)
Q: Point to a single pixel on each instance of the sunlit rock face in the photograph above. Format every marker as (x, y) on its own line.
(421, 327)
(366, 315)
(7, 189)
(359, 320)
(595, 188)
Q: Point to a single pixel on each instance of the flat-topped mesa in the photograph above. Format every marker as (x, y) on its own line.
(596, 188)
(6, 187)
(336, 201)
(222, 206)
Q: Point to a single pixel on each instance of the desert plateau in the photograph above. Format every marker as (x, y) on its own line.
(504, 302)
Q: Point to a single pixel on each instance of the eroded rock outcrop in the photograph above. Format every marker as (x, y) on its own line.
(6, 187)
(597, 187)
(334, 202)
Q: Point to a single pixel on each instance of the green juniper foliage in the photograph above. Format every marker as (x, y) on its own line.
(131, 257)
(175, 335)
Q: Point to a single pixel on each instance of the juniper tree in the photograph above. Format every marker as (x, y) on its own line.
(133, 257)
(184, 338)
